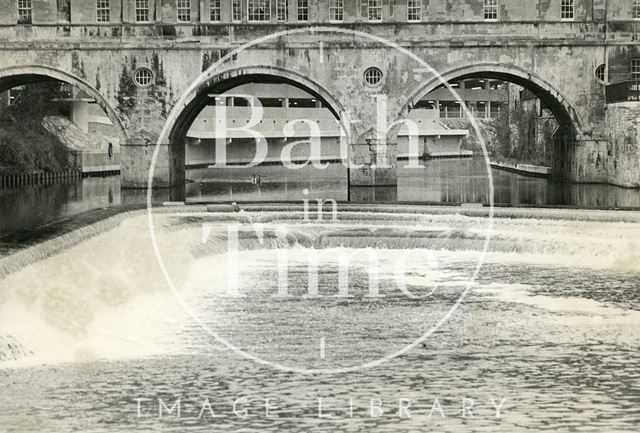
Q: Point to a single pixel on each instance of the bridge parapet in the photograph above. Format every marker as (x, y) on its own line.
(420, 34)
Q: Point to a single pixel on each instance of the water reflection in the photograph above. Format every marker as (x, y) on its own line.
(276, 183)
(440, 181)
(23, 209)
(32, 206)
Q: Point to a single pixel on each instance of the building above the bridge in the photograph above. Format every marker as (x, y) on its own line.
(224, 24)
(85, 12)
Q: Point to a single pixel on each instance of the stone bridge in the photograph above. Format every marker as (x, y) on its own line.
(556, 60)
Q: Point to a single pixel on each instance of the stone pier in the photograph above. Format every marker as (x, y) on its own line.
(623, 129)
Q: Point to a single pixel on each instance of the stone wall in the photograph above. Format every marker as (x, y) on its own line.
(165, 11)
(623, 128)
(588, 162)
(487, 128)
(135, 162)
(377, 169)
(529, 42)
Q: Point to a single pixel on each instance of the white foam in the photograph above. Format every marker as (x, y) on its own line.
(106, 299)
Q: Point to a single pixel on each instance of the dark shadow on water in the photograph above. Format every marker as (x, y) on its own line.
(447, 181)
(453, 182)
(35, 213)
(369, 194)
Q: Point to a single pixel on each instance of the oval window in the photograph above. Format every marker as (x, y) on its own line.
(143, 77)
(373, 76)
(601, 73)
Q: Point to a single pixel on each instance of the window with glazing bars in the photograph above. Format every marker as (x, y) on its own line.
(374, 10)
(236, 10)
(184, 11)
(303, 10)
(103, 11)
(214, 10)
(414, 10)
(635, 13)
(336, 10)
(24, 11)
(259, 10)
(567, 10)
(142, 11)
(634, 94)
(282, 14)
(490, 10)
(635, 70)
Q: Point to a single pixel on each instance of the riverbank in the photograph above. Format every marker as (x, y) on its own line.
(26, 145)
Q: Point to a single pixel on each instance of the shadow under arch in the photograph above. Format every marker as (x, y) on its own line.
(178, 123)
(13, 76)
(571, 126)
(548, 93)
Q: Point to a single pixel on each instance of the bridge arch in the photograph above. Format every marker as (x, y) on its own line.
(183, 115)
(28, 74)
(547, 92)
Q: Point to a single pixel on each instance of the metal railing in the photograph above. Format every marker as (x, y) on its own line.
(623, 91)
(39, 178)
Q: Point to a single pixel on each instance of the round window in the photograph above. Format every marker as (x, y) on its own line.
(601, 73)
(143, 77)
(373, 76)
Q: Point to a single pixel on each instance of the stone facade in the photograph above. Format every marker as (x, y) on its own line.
(165, 11)
(623, 154)
(529, 44)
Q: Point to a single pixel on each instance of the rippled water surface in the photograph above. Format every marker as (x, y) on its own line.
(91, 338)
(440, 181)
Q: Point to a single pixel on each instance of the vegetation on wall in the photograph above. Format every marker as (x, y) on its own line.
(472, 142)
(126, 100)
(25, 145)
(520, 137)
(160, 91)
(156, 96)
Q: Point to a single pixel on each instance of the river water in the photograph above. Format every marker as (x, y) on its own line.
(441, 181)
(546, 338)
